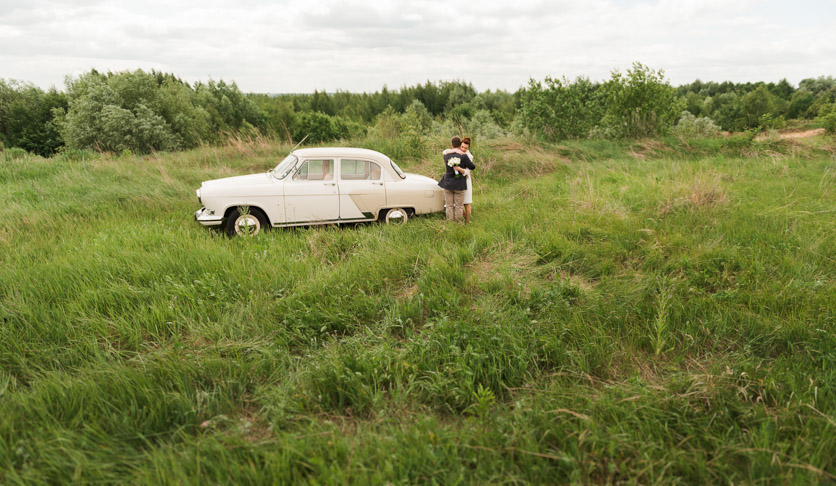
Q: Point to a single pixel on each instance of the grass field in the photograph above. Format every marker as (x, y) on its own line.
(648, 312)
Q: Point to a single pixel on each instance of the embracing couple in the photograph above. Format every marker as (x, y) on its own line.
(458, 188)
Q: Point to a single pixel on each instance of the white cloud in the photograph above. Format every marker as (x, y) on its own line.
(299, 46)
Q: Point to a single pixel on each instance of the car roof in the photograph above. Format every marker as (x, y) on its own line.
(340, 152)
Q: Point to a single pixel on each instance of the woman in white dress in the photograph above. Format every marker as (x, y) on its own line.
(468, 194)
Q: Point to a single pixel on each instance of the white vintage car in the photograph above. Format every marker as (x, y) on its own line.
(318, 186)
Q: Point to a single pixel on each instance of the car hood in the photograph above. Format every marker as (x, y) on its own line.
(239, 181)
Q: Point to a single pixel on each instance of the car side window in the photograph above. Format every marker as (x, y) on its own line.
(359, 170)
(315, 170)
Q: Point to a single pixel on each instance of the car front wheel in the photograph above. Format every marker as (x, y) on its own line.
(245, 222)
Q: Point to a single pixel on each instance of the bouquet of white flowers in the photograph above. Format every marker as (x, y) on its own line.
(453, 162)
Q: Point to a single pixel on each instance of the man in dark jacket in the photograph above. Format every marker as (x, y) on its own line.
(453, 182)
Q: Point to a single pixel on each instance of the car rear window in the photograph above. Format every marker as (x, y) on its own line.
(359, 170)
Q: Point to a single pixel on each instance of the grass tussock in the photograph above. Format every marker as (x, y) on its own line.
(703, 192)
(617, 313)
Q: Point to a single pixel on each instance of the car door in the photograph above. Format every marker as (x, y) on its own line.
(362, 192)
(311, 195)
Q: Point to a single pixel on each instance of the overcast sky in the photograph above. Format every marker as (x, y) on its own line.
(295, 46)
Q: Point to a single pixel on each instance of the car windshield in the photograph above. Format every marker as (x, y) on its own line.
(281, 170)
(397, 169)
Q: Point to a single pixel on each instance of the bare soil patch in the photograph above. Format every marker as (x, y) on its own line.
(789, 135)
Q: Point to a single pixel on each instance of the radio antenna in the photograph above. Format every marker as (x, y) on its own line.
(300, 142)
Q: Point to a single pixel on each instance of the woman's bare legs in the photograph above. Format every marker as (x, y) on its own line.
(467, 213)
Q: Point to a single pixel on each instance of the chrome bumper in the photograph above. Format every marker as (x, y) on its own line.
(204, 217)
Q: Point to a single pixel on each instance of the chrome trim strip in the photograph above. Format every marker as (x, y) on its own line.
(324, 222)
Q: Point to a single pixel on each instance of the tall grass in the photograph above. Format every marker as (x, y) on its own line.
(617, 312)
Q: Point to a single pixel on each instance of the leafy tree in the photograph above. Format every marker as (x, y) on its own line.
(640, 103)
(727, 111)
(227, 106)
(500, 104)
(143, 112)
(99, 118)
(558, 109)
(783, 89)
(694, 103)
(26, 118)
(800, 104)
(279, 114)
(818, 85)
(321, 102)
(458, 94)
(755, 105)
(417, 117)
(382, 100)
(177, 104)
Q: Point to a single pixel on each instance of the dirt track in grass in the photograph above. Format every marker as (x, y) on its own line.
(803, 134)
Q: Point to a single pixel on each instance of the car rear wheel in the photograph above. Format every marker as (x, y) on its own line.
(245, 221)
(396, 216)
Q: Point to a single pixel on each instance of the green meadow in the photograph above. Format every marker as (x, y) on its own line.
(658, 311)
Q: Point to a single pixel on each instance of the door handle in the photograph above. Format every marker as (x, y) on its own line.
(330, 183)
(377, 183)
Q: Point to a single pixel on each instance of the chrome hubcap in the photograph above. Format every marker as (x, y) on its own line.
(247, 225)
(396, 216)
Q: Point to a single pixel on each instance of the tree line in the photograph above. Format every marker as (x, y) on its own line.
(642, 103)
(141, 112)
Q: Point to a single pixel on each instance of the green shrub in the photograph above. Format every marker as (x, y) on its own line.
(828, 122)
(690, 126)
(417, 118)
(318, 127)
(388, 124)
(599, 132)
(76, 154)
(768, 121)
(15, 153)
(482, 125)
(347, 128)
(519, 127)
(415, 122)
